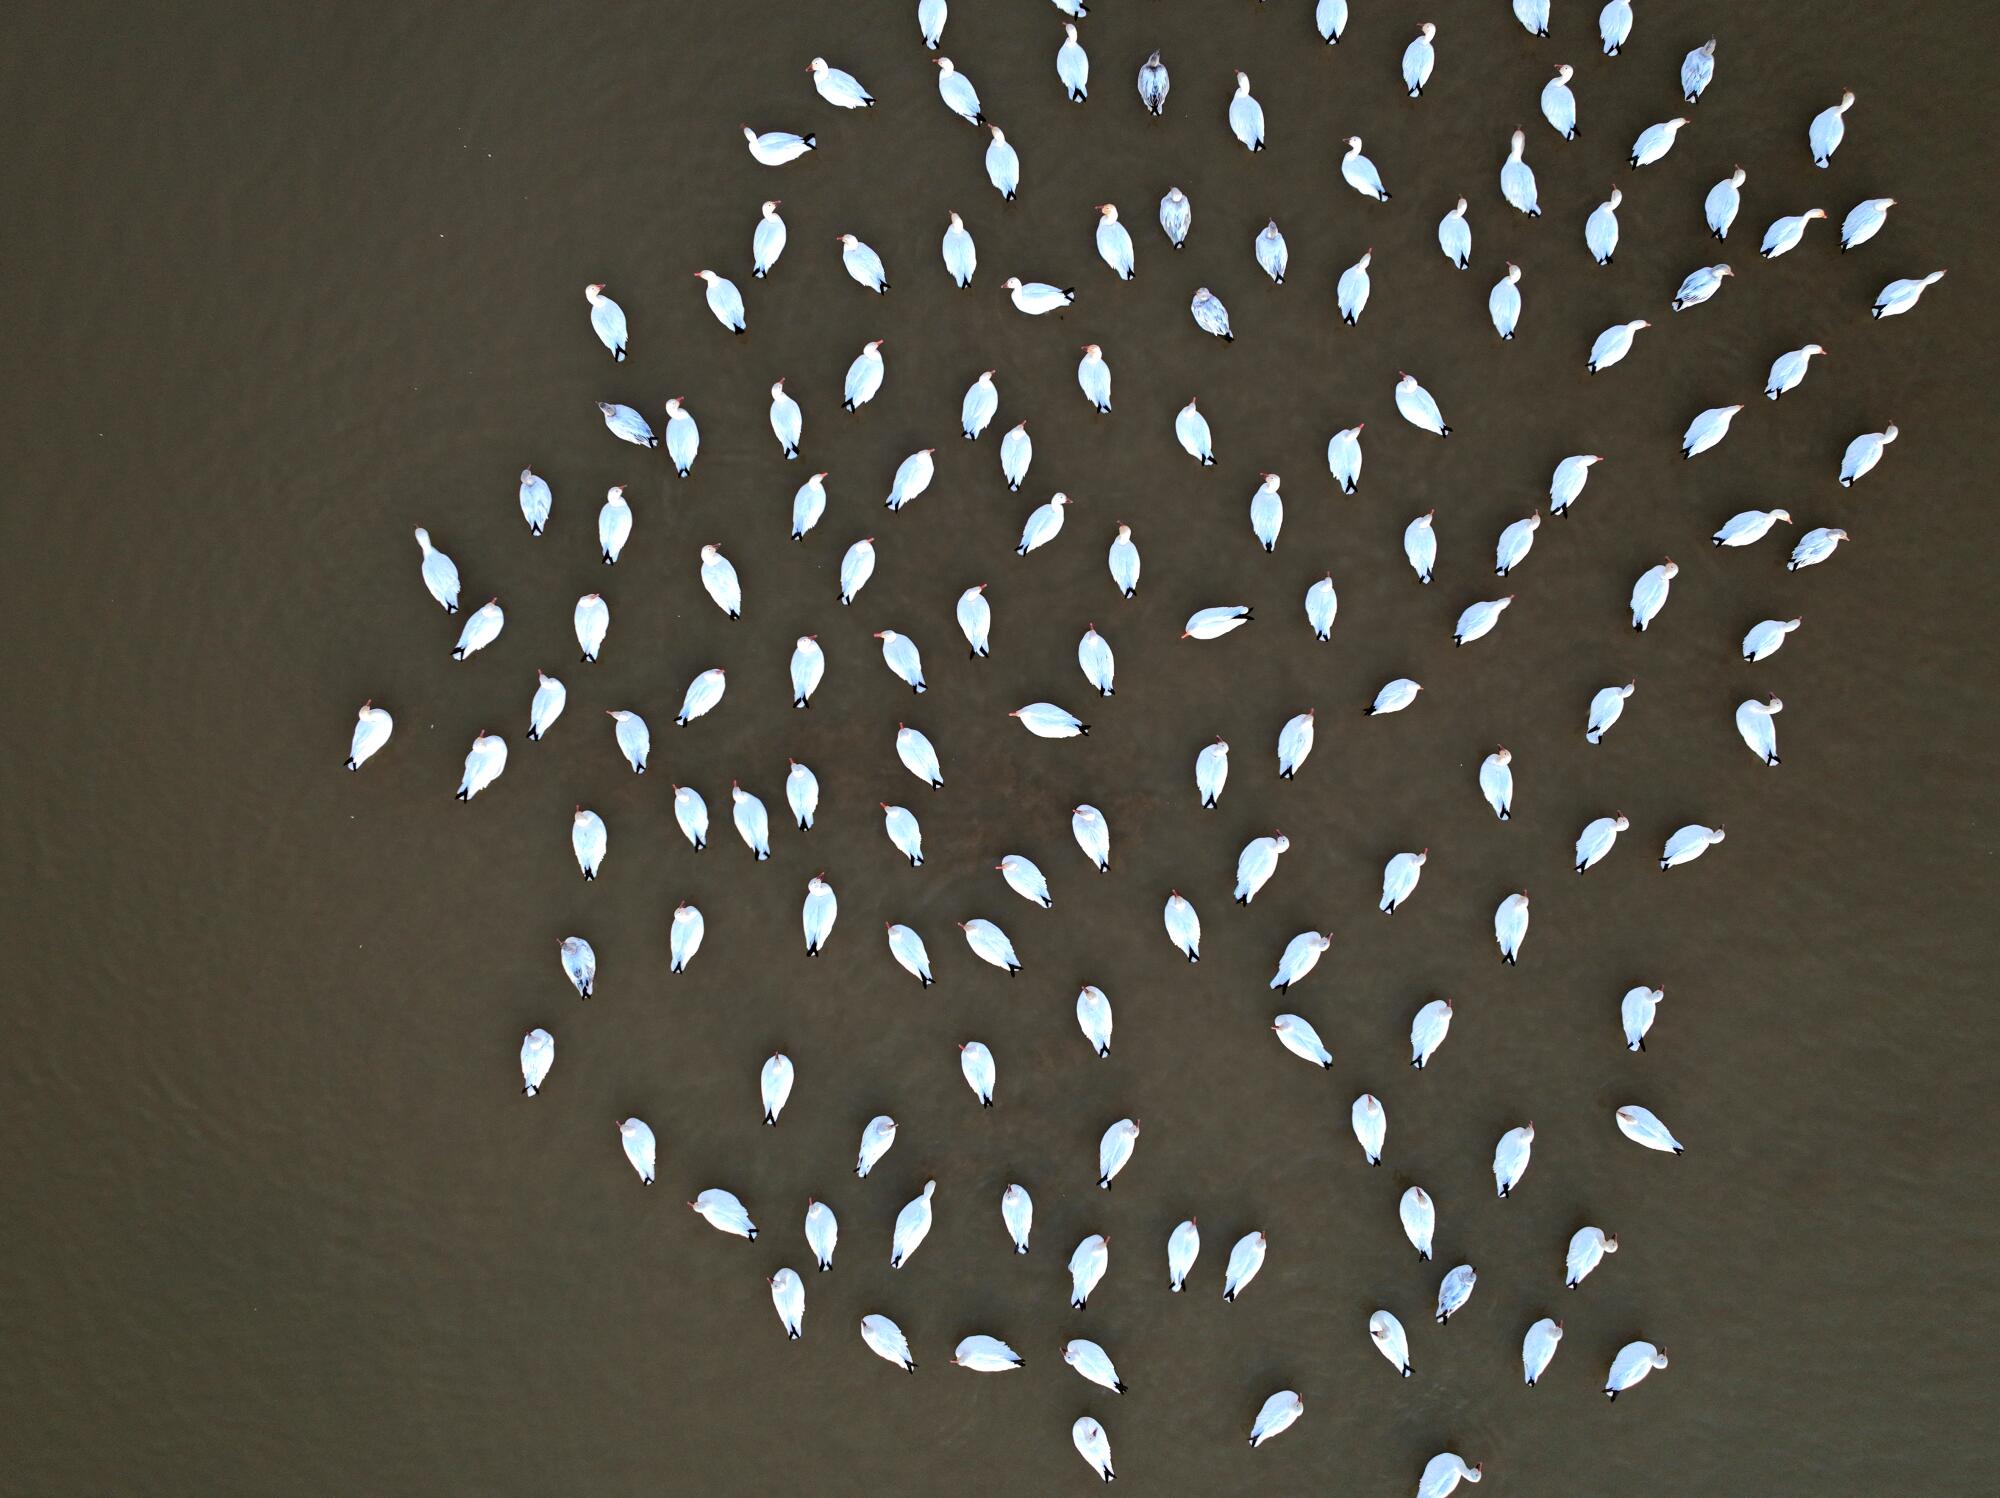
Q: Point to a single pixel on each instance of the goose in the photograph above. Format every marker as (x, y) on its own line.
(1330, 19)
(1123, 560)
(808, 668)
(883, 1337)
(484, 762)
(1352, 289)
(622, 422)
(1371, 1125)
(907, 947)
(1003, 165)
(959, 96)
(1088, 1436)
(1295, 741)
(1514, 543)
(1094, 1363)
(538, 1054)
(1114, 242)
(1454, 1290)
(703, 693)
(1391, 1341)
(1759, 733)
(1723, 202)
(1042, 526)
(1301, 955)
(1420, 545)
(753, 823)
(1191, 431)
(1503, 303)
(685, 939)
(1707, 429)
(802, 794)
(691, 813)
(1049, 721)
(1688, 844)
(551, 696)
(1153, 85)
(589, 840)
(1538, 1349)
(1418, 60)
(1258, 862)
(614, 524)
(592, 621)
(864, 378)
(1517, 178)
(1428, 1029)
(1037, 297)
(1864, 221)
(1093, 834)
(900, 824)
(440, 573)
(1636, 1359)
(808, 505)
(372, 727)
(725, 301)
(931, 15)
(1587, 1248)
(1748, 527)
(1114, 1150)
(862, 264)
(1400, 876)
(482, 627)
(1183, 1248)
(1635, 1013)
(1322, 607)
(1606, 706)
(1655, 141)
(981, 1354)
(1787, 370)
(1093, 1017)
(1025, 878)
(1597, 839)
(1272, 255)
(635, 740)
(1765, 638)
(1785, 233)
(1017, 1211)
(961, 255)
(1093, 378)
(1455, 236)
(1176, 217)
(537, 500)
(1697, 72)
(1245, 1259)
(838, 87)
(900, 655)
(1017, 451)
(1267, 511)
(857, 565)
(1533, 15)
(1213, 623)
(1510, 926)
(913, 477)
(1478, 619)
(1496, 782)
(1246, 115)
(1814, 547)
(1278, 1415)
(1296, 1034)
(975, 619)
(774, 1085)
(1649, 593)
(1899, 297)
(1700, 285)
(639, 1145)
(720, 582)
(1210, 315)
(1211, 772)
(1600, 230)
(1394, 697)
(1511, 1156)
(607, 321)
(877, 1141)
(579, 964)
(913, 1225)
(767, 240)
(1613, 344)
(1183, 925)
(1559, 103)
(919, 755)
(1418, 1214)
(1095, 660)
(1073, 67)
(1359, 173)
(1828, 128)
(778, 147)
(1614, 26)
(1444, 1472)
(990, 944)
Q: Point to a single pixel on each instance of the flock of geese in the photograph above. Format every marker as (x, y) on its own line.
(1258, 861)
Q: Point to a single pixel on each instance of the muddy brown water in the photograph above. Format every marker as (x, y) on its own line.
(285, 286)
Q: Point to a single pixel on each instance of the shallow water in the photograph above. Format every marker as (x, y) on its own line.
(281, 1220)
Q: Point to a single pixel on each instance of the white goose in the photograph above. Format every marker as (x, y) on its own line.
(1245, 1259)
(1655, 141)
(1597, 839)
(684, 937)
(1322, 607)
(537, 500)
(1301, 955)
(1420, 545)
(635, 739)
(1191, 431)
(1517, 178)
(1636, 1359)
(1511, 1156)
(1359, 173)
(1445, 1471)
(1643, 1126)
(1510, 926)
(1478, 619)
(1863, 453)
(1246, 115)
(1753, 722)
(808, 668)
(1093, 1017)
(1017, 1212)
(1496, 782)
(1419, 58)
(1785, 233)
(1093, 835)
(1766, 637)
(579, 964)
(1114, 242)
(767, 240)
(589, 840)
(1371, 1125)
(1176, 217)
(1635, 1014)
(1295, 742)
(1297, 1035)
(913, 1225)
(538, 1054)
(1183, 925)
(1211, 772)
(982, 1354)
(1503, 303)
(1788, 369)
(607, 321)
(1559, 103)
(1391, 1341)
(1514, 543)
(774, 1086)
(1351, 291)
(975, 619)
(1418, 1214)
(1399, 879)
(484, 762)
(482, 627)
(1707, 429)
(1280, 1412)
(1114, 1150)
(691, 813)
(1428, 1028)
(1613, 344)
(1094, 1446)
(778, 147)
(857, 565)
(1454, 1290)
(440, 573)
(1025, 878)
(961, 255)
(905, 835)
(1600, 230)
(1649, 593)
(1587, 1248)
(905, 663)
(1271, 252)
(990, 944)
(1864, 221)
(1828, 129)
(1688, 844)
(1538, 1349)
(1267, 511)
(808, 505)
(1814, 547)
(1697, 72)
(1154, 85)
(1394, 697)
(884, 1338)
(907, 947)
(864, 378)
(1183, 1248)
(876, 1139)
(1747, 527)
(1047, 721)
(372, 727)
(1701, 284)
(1606, 706)
(1723, 202)
(1036, 298)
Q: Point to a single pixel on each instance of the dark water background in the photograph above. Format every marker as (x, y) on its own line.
(277, 1219)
